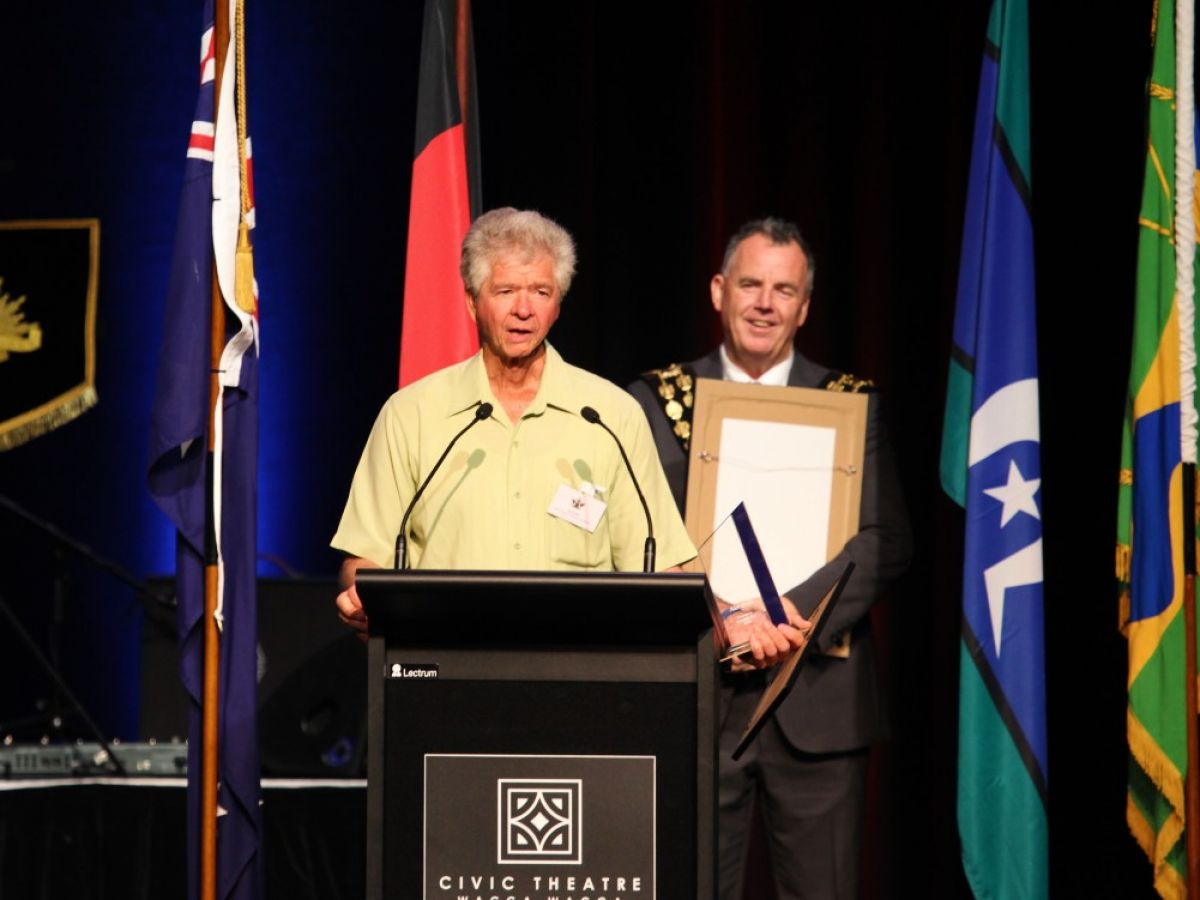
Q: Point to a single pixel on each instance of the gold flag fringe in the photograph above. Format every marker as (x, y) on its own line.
(49, 420)
(1124, 563)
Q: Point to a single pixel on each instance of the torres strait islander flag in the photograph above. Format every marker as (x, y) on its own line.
(991, 466)
(437, 329)
(187, 480)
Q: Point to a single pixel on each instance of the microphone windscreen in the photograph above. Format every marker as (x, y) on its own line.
(483, 411)
(590, 414)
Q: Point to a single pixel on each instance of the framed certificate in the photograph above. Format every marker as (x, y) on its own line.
(794, 456)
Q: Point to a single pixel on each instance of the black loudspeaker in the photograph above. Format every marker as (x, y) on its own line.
(315, 722)
(311, 688)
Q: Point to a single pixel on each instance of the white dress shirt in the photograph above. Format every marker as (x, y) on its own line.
(776, 376)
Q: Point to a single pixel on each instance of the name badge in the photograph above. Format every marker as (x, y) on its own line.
(576, 507)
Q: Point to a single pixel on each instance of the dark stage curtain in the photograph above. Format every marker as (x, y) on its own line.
(854, 120)
(650, 131)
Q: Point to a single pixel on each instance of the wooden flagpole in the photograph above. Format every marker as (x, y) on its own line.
(1192, 781)
(212, 645)
(462, 64)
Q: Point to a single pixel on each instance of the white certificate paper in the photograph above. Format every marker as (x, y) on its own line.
(784, 474)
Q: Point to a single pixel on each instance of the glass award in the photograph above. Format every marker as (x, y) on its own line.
(739, 579)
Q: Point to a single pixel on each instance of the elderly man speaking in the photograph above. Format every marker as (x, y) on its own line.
(533, 484)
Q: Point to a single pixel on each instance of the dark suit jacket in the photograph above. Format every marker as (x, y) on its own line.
(836, 704)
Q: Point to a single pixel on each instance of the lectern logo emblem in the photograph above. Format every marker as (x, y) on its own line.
(540, 820)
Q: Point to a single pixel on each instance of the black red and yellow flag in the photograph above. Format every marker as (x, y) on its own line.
(437, 330)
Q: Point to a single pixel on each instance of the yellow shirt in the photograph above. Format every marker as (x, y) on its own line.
(486, 507)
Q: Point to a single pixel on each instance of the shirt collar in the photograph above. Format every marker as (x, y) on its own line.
(554, 389)
(469, 386)
(776, 376)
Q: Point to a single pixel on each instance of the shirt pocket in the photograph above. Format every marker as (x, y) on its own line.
(571, 547)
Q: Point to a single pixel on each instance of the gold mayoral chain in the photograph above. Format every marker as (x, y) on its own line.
(675, 387)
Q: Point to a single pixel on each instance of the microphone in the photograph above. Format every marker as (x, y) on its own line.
(592, 416)
(482, 411)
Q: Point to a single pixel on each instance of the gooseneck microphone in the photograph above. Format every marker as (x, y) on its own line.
(482, 411)
(592, 416)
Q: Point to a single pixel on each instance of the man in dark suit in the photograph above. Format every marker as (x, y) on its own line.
(808, 767)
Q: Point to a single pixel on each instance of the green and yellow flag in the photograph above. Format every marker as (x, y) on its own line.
(1158, 439)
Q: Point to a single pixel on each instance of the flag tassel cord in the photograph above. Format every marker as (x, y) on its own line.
(243, 256)
(212, 647)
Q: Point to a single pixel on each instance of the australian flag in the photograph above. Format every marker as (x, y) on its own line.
(210, 494)
(991, 466)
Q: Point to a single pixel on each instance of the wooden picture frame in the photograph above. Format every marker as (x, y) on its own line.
(794, 456)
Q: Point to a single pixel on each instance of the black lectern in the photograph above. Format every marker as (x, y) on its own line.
(539, 735)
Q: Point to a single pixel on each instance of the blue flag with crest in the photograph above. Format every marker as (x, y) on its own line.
(210, 496)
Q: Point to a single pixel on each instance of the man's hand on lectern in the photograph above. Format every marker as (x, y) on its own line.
(349, 606)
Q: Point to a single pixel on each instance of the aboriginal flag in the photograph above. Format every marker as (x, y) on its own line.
(437, 330)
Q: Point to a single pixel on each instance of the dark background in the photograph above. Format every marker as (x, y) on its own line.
(650, 134)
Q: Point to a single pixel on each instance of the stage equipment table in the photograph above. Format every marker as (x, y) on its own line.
(124, 838)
